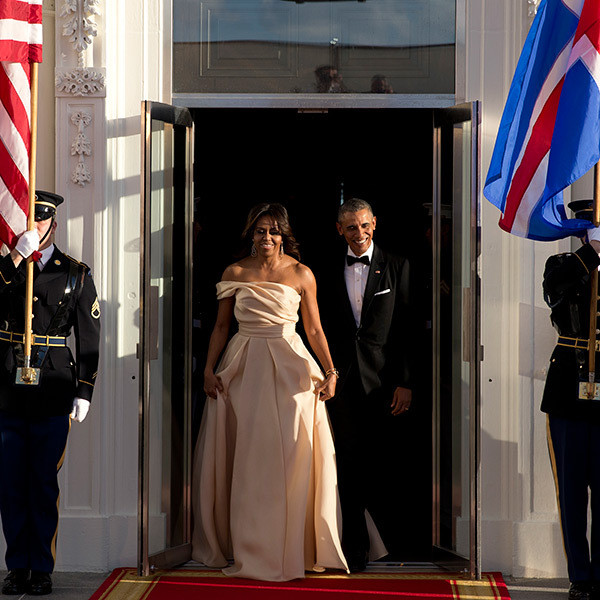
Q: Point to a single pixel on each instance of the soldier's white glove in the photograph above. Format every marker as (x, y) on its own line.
(80, 409)
(28, 243)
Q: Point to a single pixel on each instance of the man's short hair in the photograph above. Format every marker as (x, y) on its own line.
(353, 205)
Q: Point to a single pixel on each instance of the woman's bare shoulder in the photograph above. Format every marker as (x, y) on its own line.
(304, 276)
(233, 272)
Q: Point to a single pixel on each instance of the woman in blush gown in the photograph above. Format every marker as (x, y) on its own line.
(265, 484)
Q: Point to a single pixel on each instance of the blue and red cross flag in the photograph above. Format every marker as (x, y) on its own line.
(20, 45)
(549, 135)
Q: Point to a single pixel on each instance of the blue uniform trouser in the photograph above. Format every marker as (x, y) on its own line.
(575, 455)
(31, 454)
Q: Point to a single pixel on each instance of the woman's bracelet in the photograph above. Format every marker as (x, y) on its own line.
(332, 371)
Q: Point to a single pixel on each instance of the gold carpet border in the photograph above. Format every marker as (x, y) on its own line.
(129, 586)
(467, 589)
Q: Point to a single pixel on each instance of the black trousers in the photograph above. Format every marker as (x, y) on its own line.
(31, 454)
(361, 438)
(574, 447)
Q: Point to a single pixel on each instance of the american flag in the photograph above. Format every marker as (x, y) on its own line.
(20, 45)
(549, 134)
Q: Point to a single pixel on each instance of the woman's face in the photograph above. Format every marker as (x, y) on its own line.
(267, 237)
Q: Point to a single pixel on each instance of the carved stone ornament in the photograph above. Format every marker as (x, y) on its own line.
(533, 7)
(81, 147)
(80, 82)
(78, 25)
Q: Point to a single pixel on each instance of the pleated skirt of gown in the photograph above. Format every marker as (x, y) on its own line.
(265, 483)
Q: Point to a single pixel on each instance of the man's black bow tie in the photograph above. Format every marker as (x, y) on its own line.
(354, 259)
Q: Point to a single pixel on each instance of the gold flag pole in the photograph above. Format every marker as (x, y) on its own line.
(27, 375)
(591, 387)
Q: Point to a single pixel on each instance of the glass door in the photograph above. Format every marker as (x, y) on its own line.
(164, 511)
(455, 332)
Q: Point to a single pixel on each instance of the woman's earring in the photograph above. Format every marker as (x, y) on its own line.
(253, 251)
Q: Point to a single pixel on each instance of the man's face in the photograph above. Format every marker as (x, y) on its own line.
(357, 229)
(42, 229)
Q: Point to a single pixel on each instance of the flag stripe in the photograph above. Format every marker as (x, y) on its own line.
(12, 215)
(587, 53)
(575, 6)
(21, 31)
(555, 77)
(15, 107)
(537, 149)
(22, 11)
(520, 222)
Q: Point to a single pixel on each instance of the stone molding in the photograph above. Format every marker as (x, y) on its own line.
(81, 81)
(81, 147)
(532, 6)
(79, 25)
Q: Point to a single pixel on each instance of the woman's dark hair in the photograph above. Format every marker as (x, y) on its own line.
(280, 215)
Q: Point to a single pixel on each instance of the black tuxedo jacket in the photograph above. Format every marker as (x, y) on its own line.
(379, 348)
(63, 377)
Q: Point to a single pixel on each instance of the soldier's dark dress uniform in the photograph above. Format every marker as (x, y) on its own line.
(34, 420)
(573, 423)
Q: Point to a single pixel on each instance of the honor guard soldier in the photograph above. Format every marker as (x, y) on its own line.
(35, 419)
(573, 404)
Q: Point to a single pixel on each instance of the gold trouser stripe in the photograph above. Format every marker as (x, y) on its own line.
(58, 466)
(555, 475)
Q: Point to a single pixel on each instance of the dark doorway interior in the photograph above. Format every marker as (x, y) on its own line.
(309, 161)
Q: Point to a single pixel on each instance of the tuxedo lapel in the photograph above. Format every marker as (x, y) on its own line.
(343, 298)
(378, 265)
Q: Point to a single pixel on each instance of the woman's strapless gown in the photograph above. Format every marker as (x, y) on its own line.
(265, 482)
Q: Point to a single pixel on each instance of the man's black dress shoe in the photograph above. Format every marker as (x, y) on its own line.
(15, 583)
(40, 584)
(580, 591)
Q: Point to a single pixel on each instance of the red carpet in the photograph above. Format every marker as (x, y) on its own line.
(124, 584)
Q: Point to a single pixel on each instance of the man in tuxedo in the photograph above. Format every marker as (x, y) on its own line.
(365, 310)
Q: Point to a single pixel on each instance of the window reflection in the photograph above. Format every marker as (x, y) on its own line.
(314, 46)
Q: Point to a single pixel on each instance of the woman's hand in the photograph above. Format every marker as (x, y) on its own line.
(212, 384)
(327, 389)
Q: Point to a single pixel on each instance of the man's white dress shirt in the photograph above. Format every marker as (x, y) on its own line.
(46, 253)
(356, 281)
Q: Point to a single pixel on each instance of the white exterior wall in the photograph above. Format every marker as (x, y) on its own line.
(100, 225)
(520, 530)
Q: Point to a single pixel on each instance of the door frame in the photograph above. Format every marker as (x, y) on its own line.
(472, 312)
(180, 119)
(472, 350)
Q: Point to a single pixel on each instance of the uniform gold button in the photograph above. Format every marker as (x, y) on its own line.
(35, 299)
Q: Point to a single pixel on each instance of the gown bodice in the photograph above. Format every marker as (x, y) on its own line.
(262, 308)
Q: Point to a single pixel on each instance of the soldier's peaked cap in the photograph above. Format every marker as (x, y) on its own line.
(45, 204)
